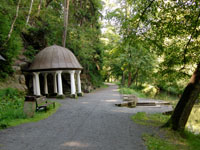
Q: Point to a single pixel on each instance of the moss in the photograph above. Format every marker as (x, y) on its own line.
(60, 96)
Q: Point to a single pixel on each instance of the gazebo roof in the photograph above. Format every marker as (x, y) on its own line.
(55, 58)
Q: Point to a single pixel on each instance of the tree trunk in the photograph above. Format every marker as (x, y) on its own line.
(129, 78)
(12, 26)
(48, 2)
(29, 13)
(123, 78)
(182, 111)
(39, 8)
(66, 14)
(134, 76)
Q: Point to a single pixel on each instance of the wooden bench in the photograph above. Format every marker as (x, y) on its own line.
(42, 102)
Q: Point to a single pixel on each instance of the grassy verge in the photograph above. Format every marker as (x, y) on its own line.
(165, 139)
(12, 109)
(125, 90)
(38, 116)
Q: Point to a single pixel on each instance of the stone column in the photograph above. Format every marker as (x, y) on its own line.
(55, 82)
(34, 85)
(78, 72)
(60, 88)
(37, 83)
(73, 86)
(45, 84)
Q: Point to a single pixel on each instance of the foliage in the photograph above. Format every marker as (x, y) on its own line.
(165, 37)
(45, 28)
(11, 109)
(40, 115)
(11, 106)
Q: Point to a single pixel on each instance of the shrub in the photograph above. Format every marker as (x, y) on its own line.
(11, 106)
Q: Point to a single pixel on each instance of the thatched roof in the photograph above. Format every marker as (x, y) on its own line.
(55, 58)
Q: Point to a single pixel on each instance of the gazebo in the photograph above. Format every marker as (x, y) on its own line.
(56, 60)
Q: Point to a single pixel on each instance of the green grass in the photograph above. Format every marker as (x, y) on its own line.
(160, 96)
(137, 93)
(154, 142)
(12, 109)
(165, 139)
(150, 119)
(38, 116)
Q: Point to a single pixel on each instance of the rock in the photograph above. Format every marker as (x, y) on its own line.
(17, 80)
(22, 79)
(17, 69)
(130, 98)
(130, 104)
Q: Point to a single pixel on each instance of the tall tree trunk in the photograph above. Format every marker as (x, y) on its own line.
(129, 76)
(13, 23)
(134, 75)
(48, 2)
(183, 109)
(29, 13)
(123, 78)
(66, 14)
(39, 8)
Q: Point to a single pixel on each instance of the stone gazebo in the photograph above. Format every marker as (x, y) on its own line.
(56, 60)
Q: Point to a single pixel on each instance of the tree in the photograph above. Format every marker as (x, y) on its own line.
(172, 29)
(182, 111)
(169, 30)
(15, 18)
(29, 13)
(66, 14)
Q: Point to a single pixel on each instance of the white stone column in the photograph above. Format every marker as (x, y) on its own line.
(73, 86)
(45, 84)
(34, 85)
(78, 72)
(55, 82)
(60, 88)
(37, 83)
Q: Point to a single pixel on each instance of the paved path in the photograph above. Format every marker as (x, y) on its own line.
(90, 123)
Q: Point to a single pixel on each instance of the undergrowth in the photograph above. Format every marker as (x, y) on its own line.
(11, 109)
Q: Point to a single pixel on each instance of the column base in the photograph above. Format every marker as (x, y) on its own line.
(60, 96)
(73, 96)
(80, 94)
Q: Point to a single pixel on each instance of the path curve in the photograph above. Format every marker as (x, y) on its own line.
(90, 123)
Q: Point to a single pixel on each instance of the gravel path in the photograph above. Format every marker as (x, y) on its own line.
(90, 123)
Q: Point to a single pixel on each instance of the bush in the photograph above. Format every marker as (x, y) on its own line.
(11, 106)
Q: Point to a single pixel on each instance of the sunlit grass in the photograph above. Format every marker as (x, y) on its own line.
(125, 90)
(155, 142)
(150, 119)
(165, 139)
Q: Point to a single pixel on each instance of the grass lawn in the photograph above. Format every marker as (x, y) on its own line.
(38, 116)
(165, 139)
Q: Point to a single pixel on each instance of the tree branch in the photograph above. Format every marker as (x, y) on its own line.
(144, 11)
(191, 36)
(12, 26)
